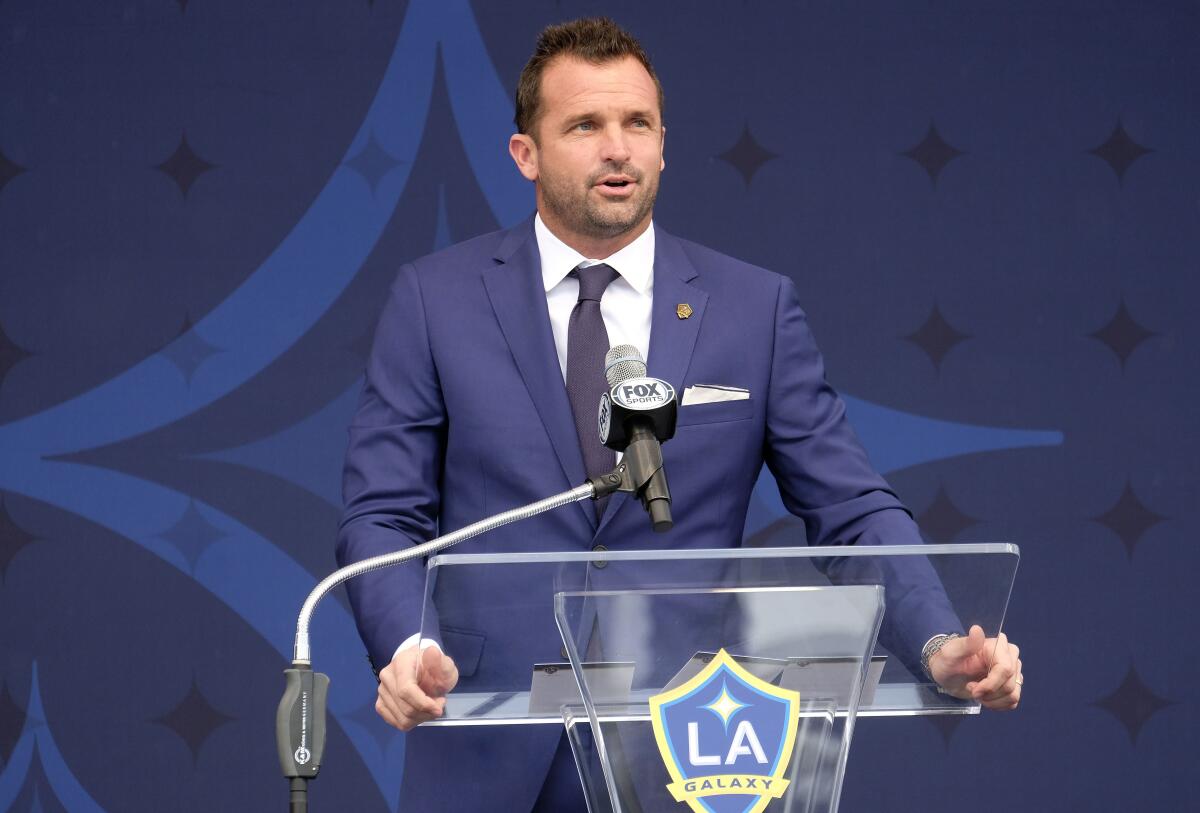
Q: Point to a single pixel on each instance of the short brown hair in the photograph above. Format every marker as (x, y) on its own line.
(592, 39)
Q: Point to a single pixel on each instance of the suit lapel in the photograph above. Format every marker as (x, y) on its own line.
(518, 298)
(672, 339)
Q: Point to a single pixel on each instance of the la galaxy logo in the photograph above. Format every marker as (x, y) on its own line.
(726, 738)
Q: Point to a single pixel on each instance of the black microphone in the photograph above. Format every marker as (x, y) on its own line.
(637, 415)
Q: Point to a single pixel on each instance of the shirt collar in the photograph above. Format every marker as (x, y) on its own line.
(635, 262)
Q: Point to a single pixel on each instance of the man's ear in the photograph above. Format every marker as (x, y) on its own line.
(662, 150)
(524, 152)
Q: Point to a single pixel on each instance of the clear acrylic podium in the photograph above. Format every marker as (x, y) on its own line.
(615, 646)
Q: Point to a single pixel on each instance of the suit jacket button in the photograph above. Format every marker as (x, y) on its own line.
(601, 563)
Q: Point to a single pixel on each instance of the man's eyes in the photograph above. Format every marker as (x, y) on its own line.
(588, 126)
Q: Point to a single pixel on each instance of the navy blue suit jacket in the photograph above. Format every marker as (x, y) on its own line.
(464, 414)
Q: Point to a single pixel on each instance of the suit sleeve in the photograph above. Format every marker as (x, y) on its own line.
(826, 479)
(392, 470)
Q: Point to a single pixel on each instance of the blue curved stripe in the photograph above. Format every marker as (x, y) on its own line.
(483, 113)
(259, 321)
(233, 569)
(897, 440)
(308, 453)
(286, 295)
(37, 734)
(14, 773)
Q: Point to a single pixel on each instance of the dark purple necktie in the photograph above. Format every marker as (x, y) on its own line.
(587, 344)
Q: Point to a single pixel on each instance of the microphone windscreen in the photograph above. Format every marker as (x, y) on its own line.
(622, 363)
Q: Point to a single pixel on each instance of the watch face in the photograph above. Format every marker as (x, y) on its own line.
(605, 418)
(643, 393)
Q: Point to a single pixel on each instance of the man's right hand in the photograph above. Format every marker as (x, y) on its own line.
(413, 687)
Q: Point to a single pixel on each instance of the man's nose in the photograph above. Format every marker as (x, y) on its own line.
(615, 147)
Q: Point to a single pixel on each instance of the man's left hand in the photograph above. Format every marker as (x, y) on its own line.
(975, 667)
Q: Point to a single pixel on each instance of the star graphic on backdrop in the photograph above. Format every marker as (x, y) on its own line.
(194, 720)
(12, 722)
(937, 337)
(10, 354)
(1120, 151)
(373, 162)
(933, 153)
(1122, 334)
(747, 156)
(192, 534)
(13, 539)
(184, 166)
(9, 169)
(1133, 703)
(942, 520)
(724, 705)
(1129, 518)
(188, 351)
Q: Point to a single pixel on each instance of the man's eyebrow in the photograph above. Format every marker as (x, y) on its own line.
(592, 115)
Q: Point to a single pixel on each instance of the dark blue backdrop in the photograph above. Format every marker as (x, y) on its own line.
(990, 211)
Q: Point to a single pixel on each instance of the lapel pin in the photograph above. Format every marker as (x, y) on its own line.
(683, 310)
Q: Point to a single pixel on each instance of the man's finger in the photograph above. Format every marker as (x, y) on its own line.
(967, 646)
(397, 682)
(384, 711)
(395, 712)
(975, 640)
(1000, 674)
(438, 674)
(1007, 698)
(391, 693)
(1006, 703)
(1008, 688)
(420, 702)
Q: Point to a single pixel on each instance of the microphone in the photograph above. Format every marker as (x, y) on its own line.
(637, 415)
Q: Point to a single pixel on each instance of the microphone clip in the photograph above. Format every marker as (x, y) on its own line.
(640, 473)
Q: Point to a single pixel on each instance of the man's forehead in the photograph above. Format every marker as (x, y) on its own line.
(570, 83)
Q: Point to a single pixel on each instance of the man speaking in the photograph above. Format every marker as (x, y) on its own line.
(482, 391)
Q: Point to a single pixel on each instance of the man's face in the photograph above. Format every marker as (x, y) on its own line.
(599, 148)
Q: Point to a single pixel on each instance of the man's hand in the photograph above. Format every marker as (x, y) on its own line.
(413, 687)
(987, 670)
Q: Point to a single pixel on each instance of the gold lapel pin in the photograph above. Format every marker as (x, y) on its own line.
(683, 310)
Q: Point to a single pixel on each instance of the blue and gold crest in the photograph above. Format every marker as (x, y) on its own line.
(726, 738)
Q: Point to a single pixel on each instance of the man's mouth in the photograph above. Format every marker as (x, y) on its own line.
(616, 181)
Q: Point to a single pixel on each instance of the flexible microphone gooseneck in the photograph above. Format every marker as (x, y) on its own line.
(644, 409)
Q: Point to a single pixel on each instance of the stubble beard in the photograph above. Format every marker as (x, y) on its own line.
(583, 213)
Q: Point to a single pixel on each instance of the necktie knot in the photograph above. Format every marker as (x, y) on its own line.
(593, 280)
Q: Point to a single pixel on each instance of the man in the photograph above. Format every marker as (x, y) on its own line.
(481, 396)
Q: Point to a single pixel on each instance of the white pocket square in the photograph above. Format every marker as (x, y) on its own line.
(711, 394)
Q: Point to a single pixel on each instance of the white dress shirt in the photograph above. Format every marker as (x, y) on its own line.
(626, 306)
